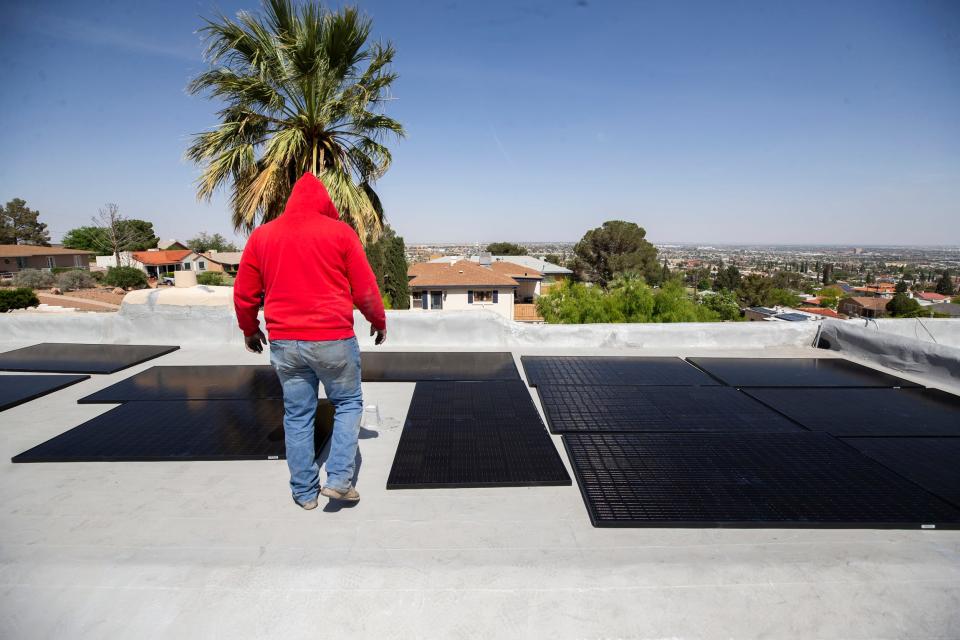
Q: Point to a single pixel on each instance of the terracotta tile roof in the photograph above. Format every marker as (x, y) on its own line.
(821, 311)
(516, 270)
(161, 257)
(930, 296)
(877, 304)
(27, 250)
(458, 274)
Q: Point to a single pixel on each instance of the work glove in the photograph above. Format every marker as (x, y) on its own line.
(255, 341)
(381, 335)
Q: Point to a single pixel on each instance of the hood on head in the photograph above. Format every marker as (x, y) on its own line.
(308, 197)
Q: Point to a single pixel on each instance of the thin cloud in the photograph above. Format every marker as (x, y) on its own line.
(85, 32)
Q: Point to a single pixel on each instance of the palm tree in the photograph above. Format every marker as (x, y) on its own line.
(303, 91)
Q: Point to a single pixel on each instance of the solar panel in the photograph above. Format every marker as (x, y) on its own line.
(474, 434)
(933, 463)
(743, 480)
(15, 390)
(219, 382)
(796, 372)
(51, 357)
(174, 430)
(650, 409)
(868, 412)
(398, 366)
(612, 370)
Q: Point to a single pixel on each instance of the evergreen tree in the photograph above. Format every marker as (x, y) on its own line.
(205, 242)
(506, 249)
(615, 248)
(388, 259)
(19, 224)
(901, 306)
(945, 284)
(901, 286)
(727, 279)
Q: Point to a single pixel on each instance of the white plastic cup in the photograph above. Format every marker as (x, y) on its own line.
(371, 416)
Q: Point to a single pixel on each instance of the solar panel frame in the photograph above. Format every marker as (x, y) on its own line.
(866, 411)
(16, 389)
(796, 372)
(571, 409)
(613, 370)
(423, 366)
(178, 431)
(54, 357)
(780, 480)
(187, 382)
(472, 435)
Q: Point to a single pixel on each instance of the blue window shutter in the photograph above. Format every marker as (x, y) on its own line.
(469, 297)
(495, 292)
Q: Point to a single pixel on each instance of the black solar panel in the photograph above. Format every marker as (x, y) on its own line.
(668, 409)
(933, 463)
(796, 372)
(398, 366)
(51, 357)
(221, 382)
(172, 430)
(612, 370)
(743, 480)
(16, 389)
(474, 434)
(868, 412)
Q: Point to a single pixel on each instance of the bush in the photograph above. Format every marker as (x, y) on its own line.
(22, 298)
(125, 277)
(33, 279)
(210, 278)
(72, 280)
(97, 275)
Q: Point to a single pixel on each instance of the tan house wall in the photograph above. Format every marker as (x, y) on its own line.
(13, 265)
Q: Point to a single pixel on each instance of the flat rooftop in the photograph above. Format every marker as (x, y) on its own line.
(199, 549)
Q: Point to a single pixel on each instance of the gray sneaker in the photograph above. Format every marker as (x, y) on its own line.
(350, 495)
(308, 505)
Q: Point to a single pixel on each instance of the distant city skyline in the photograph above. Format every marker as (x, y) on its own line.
(706, 123)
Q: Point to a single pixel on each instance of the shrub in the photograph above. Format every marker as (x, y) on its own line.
(33, 279)
(72, 280)
(58, 270)
(98, 275)
(125, 277)
(210, 278)
(22, 298)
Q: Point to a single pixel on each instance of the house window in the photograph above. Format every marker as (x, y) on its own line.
(78, 261)
(21, 263)
(187, 267)
(483, 296)
(417, 299)
(51, 263)
(202, 266)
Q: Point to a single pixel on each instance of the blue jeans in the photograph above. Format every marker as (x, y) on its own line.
(301, 366)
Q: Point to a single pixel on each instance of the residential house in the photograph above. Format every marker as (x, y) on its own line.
(552, 273)
(929, 297)
(863, 307)
(157, 262)
(822, 311)
(222, 261)
(171, 245)
(463, 285)
(879, 289)
(16, 257)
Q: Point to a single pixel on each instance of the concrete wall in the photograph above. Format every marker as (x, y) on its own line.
(203, 316)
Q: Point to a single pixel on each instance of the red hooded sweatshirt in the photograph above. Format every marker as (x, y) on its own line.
(311, 270)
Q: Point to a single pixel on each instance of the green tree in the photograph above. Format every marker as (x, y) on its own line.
(133, 235)
(902, 306)
(724, 304)
(204, 242)
(304, 91)
(755, 290)
(945, 284)
(577, 303)
(506, 249)
(786, 280)
(125, 277)
(869, 279)
(553, 258)
(615, 248)
(782, 297)
(901, 286)
(828, 277)
(727, 279)
(19, 224)
(388, 259)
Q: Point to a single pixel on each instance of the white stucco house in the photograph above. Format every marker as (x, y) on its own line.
(551, 273)
(157, 262)
(504, 288)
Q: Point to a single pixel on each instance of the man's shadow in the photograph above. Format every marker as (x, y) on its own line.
(334, 506)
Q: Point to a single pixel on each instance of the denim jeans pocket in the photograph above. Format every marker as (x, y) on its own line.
(332, 355)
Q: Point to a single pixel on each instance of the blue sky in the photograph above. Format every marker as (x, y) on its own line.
(715, 122)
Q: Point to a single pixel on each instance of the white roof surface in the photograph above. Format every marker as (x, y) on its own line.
(217, 549)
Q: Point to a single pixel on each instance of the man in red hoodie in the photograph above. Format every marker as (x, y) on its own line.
(310, 270)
